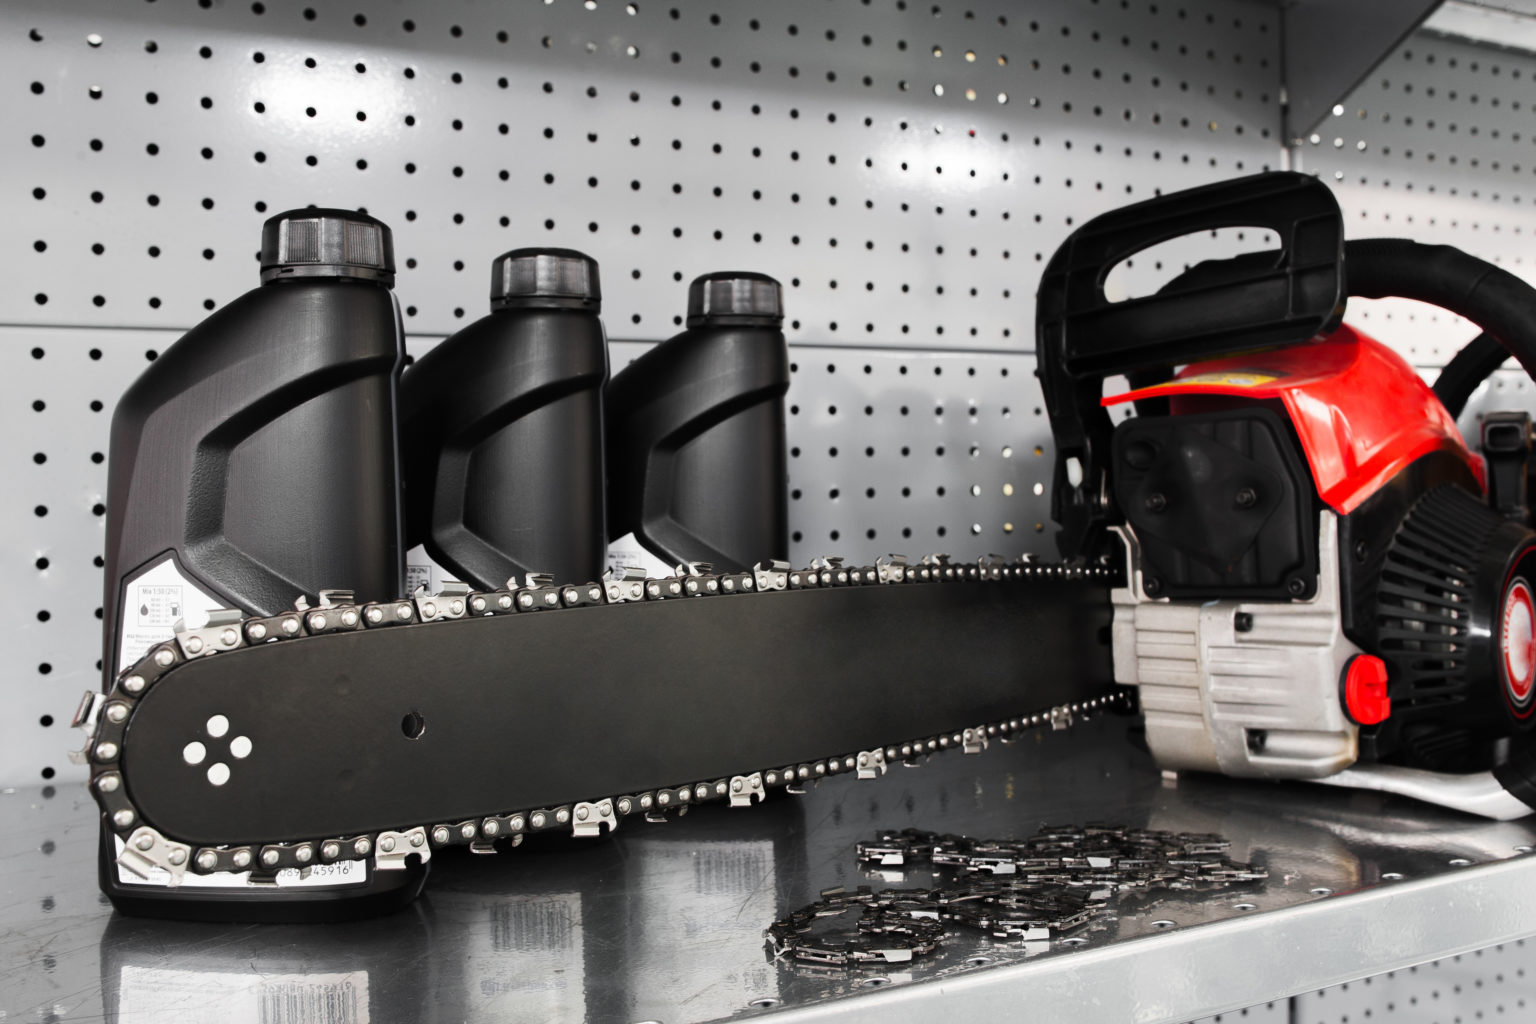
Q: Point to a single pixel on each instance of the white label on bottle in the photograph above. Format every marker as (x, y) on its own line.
(259, 995)
(422, 571)
(628, 552)
(152, 603)
(318, 876)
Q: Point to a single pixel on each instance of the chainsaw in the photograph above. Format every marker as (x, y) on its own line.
(1288, 559)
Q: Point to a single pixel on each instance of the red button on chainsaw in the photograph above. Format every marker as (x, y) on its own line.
(1365, 690)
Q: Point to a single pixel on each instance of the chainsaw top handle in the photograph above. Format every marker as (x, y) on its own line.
(1293, 295)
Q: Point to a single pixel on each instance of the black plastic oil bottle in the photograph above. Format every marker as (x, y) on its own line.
(255, 460)
(502, 429)
(696, 451)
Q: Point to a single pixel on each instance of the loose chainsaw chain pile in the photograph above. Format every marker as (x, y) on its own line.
(1032, 889)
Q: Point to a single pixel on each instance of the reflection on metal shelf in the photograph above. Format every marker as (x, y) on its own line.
(664, 922)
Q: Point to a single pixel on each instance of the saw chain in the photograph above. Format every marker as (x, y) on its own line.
(148, 853)
(1034, 889)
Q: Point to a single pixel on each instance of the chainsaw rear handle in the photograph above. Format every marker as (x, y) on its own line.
(1287, 297)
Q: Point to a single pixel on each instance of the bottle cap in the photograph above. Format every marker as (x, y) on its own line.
(545, 277)
(735, 293)
(326, 243)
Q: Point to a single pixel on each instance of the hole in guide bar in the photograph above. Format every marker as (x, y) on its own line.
(875, 982)
(764, 1003)
(413, 725)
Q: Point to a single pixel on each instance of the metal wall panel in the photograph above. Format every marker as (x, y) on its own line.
(902, 167)
(1438, 144)
(1497, 983)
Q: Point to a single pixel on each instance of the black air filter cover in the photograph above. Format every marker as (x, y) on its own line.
(1221, 504)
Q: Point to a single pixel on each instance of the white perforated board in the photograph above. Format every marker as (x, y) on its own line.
(860, 152)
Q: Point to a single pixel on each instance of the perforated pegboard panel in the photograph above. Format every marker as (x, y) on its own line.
(1493, 984)
(1438, 144)
(1265, 1013)
(903, 167)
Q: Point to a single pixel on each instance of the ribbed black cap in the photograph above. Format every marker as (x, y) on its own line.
(545, 277)
(731, 294)
(327, 243)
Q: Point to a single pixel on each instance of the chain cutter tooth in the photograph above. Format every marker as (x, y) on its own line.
(146, 849)
(588, 819)
(221, 633)
(452, 602)
(624, 584)
(871, 763)
(393, 850)
(771, 575)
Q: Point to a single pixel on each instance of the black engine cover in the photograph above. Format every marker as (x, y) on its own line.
(1221, 504)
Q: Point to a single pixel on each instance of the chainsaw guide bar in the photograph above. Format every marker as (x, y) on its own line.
(254, 752)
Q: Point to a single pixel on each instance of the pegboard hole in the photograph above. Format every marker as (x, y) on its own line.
(413, 725)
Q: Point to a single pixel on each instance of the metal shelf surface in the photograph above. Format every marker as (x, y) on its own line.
(664, 923)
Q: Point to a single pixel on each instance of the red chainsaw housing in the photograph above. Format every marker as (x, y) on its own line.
(1360, 411)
